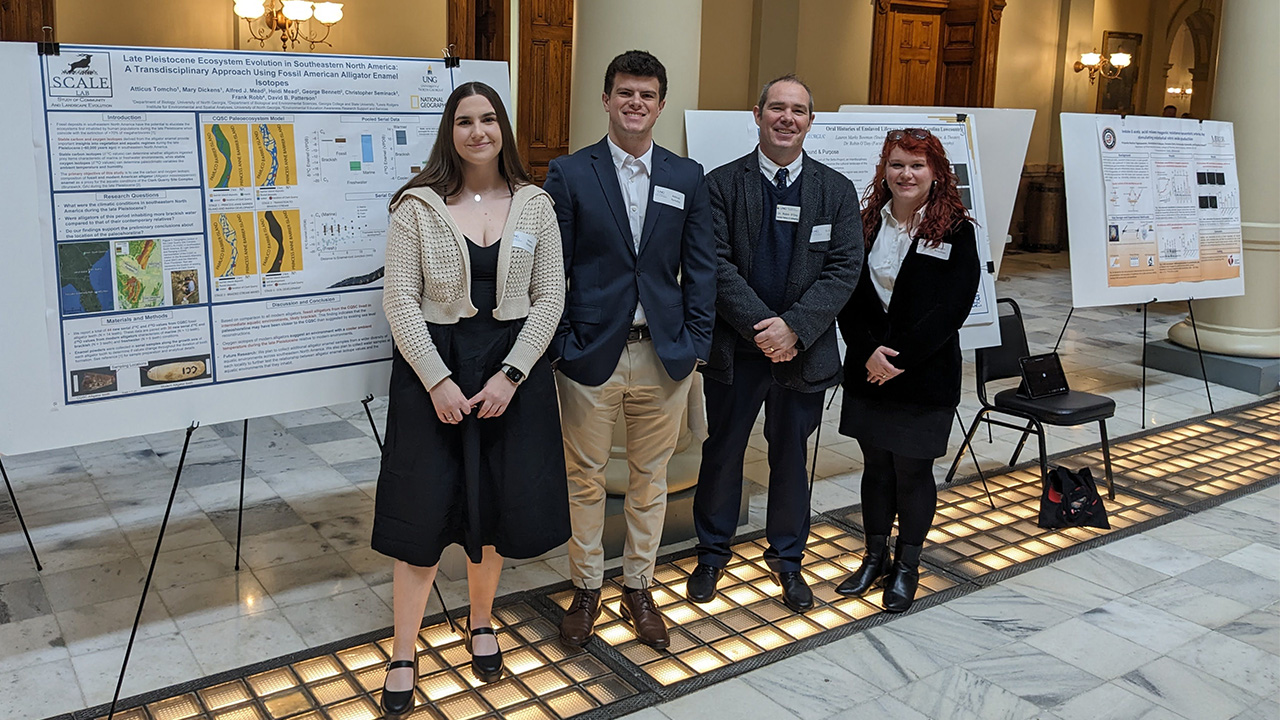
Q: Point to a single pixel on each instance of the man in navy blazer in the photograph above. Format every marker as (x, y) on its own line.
(640, 259)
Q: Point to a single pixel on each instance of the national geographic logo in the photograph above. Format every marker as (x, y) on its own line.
(80, 75)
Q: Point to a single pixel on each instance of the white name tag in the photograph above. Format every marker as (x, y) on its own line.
(667, 196)
(942, 252)
(821, 233)
(788, 213)
(522, 240)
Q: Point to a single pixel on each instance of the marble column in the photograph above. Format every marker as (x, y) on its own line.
(1247, 93)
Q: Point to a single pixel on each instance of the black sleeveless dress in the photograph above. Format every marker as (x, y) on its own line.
(494, 481)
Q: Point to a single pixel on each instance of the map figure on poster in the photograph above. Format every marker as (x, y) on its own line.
(275, 162)
(226, 155)
(84, 277)
(231, 238)
(281, 240)
(139, 280)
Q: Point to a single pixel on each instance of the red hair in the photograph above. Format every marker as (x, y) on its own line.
(943, 208)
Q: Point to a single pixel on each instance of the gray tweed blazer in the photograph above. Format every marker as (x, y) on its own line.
(822, 275)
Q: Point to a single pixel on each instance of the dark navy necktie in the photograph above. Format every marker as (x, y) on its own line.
(780, 178)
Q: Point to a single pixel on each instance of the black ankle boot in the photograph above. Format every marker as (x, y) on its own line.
(875, 566)
(900, 587)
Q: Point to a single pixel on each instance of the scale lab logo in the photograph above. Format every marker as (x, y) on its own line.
(80, 75)
(1108, 138)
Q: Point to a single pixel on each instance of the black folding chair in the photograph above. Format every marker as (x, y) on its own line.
(1066, 410)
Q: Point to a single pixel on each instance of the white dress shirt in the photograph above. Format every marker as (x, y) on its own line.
(892, 244)
(769, 168)
(633, 180)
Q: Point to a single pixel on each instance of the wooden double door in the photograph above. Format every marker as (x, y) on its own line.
(935, 52)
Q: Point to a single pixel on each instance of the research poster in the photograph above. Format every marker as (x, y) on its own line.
(1172, 201)
(850, 143)
(221, 216)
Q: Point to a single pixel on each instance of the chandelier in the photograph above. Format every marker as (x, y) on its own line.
(295, 20)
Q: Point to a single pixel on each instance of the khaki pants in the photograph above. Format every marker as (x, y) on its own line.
(652, 405)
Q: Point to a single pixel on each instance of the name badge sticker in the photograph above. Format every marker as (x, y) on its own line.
(667, 196)
(788, 213)
(525, 241)
(821, 233)
(942, 252)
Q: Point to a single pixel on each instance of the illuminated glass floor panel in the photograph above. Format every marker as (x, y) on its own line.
(544, 680)
(1192, 463)
(747, 617)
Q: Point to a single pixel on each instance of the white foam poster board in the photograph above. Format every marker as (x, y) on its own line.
(198, 235)
(1153, 209)
(850, 143)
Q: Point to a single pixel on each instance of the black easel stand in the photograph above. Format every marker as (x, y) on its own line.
(146, 586)
(1199, 353)
(967, 445)
(18, 511)
(244, 458)
(447, 615)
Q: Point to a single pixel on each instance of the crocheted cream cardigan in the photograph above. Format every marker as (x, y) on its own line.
(428, 277)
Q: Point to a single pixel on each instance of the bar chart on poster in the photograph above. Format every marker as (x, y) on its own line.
(203, 220)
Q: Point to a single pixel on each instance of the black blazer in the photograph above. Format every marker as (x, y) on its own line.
(821, 277)
(673, 275)
(931, 299)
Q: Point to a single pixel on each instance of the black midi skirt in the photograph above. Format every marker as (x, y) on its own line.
(906, 429)
(496, 481)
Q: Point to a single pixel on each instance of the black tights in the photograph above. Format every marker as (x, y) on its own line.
(896, 485)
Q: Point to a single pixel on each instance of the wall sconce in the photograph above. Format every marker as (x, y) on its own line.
(1109, 68)
(266, 17)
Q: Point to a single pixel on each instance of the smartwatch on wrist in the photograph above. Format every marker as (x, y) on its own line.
(513, 374)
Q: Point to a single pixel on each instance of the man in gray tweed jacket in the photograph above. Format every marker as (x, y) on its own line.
(789, 241)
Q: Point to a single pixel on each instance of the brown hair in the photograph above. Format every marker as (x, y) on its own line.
(443, 172)
(944, 209)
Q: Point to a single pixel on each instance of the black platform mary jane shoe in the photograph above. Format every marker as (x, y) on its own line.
(398, 702)
(487, 668)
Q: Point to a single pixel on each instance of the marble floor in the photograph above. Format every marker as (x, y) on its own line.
(1180, 621)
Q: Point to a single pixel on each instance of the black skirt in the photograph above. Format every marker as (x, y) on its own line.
(906, 429)
(495, 481)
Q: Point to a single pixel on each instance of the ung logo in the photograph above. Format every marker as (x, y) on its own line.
(430, 78)
(80, 75)
(1108, 138)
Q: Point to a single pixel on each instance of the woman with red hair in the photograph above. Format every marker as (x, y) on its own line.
(902, 366)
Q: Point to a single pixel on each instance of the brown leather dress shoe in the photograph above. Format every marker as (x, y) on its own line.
(580, 619)
(638, 608)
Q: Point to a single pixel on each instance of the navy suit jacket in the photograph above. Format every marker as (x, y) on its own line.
(673, 275)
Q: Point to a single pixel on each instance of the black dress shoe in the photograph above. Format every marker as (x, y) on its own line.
(398, 702)
(487, 668)
(875, 567)
(701, 587)
(904, 578)
(795, 591)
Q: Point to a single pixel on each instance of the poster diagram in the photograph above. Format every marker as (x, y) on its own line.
(226, 155)
(1171, 202)
(232, 240)
(139, 279)
(226, 243)
(275, 162)
(281, 233)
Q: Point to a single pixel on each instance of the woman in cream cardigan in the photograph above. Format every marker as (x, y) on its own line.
(474, 291)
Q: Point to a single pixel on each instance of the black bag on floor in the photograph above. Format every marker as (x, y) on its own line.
(1071, 499)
